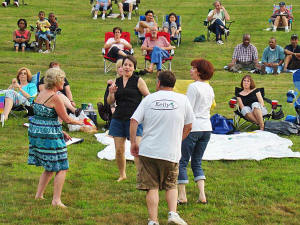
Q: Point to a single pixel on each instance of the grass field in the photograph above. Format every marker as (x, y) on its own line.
(239, 192)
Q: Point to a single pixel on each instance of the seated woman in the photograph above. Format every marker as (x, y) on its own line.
(20, 92)
(172, 26)
(66, 96)
(251, 102)
(218, 17)
(117, 45)
(22, 36)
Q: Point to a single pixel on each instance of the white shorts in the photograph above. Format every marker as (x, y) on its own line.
(247, 109)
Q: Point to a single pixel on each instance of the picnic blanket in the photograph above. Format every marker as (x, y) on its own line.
(256, 145)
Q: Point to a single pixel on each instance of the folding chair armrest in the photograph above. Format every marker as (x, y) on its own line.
(267, 100)
(103, 51)
(205, 23)
(57, 31)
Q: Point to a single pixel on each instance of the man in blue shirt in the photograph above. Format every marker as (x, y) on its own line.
(272, 58)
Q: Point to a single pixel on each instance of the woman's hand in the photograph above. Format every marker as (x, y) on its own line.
(113, 88)
(66, 136)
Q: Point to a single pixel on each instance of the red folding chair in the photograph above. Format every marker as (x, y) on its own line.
(171, 52)
(108, 61)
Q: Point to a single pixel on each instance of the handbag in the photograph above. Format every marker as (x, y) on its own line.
(221, 125)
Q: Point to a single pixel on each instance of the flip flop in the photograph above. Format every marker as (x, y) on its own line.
(181, 203)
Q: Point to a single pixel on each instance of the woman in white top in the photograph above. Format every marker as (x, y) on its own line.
(117, 45)
(218, 17)
(201, 97)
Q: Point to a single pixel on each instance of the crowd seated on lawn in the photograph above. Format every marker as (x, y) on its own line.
(143, 27)
(159, 47)
(65, 93)
(245, 56)
(218, 18)
(21, 37)
(292, 55)
(251, 103)
(172, 26)
(116, 45)
(281, 17)
(20, 92)
(273, 58)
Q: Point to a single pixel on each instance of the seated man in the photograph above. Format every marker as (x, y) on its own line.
(244, 56)
(127, 6)
(292, 52)
(143, 27)
(159, 47)
(272, 58)
(281, 17)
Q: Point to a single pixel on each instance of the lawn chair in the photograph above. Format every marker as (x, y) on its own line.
(135, 8)
(171, 52)
(271, 20)
(239, 120)
(207, 24)
(108, 61)
(108, 11)
(177, 40)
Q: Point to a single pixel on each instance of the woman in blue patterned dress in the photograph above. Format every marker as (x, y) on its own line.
(47, 145)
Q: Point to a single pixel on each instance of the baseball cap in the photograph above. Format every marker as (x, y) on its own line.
(281, 3)
(294, 37)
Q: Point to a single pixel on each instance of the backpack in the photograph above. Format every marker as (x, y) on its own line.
(221, 125)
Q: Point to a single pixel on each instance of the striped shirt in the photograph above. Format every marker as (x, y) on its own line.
(245, 54)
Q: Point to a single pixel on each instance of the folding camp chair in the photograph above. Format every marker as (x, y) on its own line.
(290, 21)
(135, 8)
(239, 120)
(108, 61)
(108, 11)
(176, 40)
(171, 52)
(207, 24)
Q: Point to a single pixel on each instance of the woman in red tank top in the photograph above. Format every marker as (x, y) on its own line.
(22, 36)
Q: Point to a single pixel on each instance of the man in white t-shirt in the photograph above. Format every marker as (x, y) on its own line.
(127, 6)
(167, 119)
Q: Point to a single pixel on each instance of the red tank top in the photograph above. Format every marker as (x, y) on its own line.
(24, 35)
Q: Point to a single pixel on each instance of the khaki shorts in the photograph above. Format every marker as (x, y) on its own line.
(156, 174)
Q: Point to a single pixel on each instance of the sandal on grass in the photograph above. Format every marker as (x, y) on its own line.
(202, 202)
(181, 202)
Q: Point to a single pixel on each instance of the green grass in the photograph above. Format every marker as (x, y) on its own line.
(239, 192)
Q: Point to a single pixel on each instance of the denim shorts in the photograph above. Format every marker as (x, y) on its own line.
(20, 45)
(120, 128)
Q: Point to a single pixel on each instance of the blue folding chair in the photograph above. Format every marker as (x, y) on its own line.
(271, 20)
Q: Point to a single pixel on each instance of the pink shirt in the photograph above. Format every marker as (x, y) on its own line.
(161, 41)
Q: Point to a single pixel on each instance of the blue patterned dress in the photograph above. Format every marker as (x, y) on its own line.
(47, 146)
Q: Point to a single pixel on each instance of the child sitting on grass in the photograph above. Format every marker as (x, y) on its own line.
(43, 32)
(22, 36)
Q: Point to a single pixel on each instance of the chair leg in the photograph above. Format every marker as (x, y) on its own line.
(170, 65)
(105, 66)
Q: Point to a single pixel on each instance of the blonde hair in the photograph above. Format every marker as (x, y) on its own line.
(118, 64)
(29, 75)
(53, 77)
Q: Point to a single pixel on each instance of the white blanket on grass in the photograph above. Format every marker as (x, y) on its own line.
(256, 145)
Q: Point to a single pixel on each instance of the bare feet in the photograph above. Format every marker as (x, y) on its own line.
(58, 204)
(122, 178)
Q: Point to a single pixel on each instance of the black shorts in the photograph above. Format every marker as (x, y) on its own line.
(126, 7)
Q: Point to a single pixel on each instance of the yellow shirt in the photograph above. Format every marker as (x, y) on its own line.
(43, 25)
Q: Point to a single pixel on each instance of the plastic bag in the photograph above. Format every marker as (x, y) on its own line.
(88, 127)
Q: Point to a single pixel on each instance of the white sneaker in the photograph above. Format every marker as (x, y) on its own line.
(46, 52)
(103, 16)
(220, 42)
(151, 222)
(174, 219)
(286, 30)
(95, 17)
(129, 16)
(4, 4)
(16, 4)
(40, 51)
